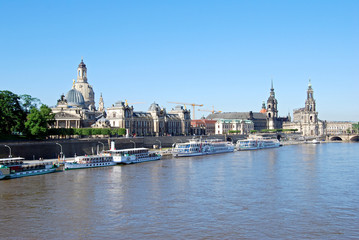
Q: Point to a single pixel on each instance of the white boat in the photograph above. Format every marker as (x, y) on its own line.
(89, 161)
(197, 147)
(254, 144)
(133, 155)
(15, 167)
(314, 141)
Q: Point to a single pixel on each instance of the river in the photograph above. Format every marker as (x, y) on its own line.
(292, 192)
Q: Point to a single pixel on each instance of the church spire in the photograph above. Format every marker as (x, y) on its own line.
(310, 102)
(101, 104)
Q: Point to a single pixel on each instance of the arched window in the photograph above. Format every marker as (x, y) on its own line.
(269, 115)
(311, 118)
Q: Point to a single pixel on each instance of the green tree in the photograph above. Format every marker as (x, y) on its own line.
(27, 102)
(12, 116)
(38, 121)
(356, 127)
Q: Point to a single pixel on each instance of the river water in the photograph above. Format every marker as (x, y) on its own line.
(292, 192)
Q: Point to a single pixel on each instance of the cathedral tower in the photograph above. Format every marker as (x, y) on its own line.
(272, 111)
(82, 86)
(310, 102)
(310, 114)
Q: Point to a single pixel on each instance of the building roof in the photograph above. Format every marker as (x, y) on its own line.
(154, 107)
(82, 64)
(75, 98)
(236, 115)
(235, 121)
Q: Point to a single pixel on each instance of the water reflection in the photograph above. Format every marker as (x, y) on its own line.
(298, 191)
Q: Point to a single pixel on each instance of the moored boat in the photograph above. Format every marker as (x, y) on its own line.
(133, 155)
(89, 161)
(15, 167)
(254, 144)
(314, 141)
(197, 147)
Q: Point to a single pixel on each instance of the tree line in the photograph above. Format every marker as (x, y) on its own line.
(23, 115)
(87, 131)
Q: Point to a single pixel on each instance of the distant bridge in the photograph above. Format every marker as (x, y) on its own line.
(343, 137)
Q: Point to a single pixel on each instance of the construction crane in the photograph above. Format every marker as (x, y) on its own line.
(212, 111)
(192, 104)
(127, 103)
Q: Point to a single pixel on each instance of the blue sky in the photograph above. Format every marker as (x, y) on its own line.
(217, 53)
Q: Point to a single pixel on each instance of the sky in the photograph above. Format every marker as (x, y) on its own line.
(216, 53)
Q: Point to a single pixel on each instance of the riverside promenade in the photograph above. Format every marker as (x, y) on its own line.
(51, 149)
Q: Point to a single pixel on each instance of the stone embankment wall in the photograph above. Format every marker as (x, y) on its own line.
(33, 150)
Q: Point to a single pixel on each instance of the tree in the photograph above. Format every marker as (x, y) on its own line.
(38, 121)
(356, 127)
(12, 116)
(27, 102)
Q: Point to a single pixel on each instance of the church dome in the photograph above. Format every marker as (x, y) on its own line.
(154, 107)
(75, 98)
(82, 64)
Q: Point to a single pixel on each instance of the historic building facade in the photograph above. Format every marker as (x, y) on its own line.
(223, 126)
(77, 108)
(155, 122)
(338, 127)
(267, 118)
(306, 119)
(203, 127)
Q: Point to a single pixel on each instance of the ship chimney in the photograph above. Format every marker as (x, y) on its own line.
(113, 145)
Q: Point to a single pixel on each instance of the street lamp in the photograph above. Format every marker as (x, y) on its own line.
(61, 149)
(9, 149)
(133, 143)
(160, 144)
(103, 146)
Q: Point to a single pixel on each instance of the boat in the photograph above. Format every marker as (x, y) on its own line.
(197, 147)
(89, 161)
(133, 155)
(314, 141)
(15, 167)
(254, 144)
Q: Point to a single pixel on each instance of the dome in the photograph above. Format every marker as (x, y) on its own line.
(263, 110)
(82, 64)
(179, 107)
(154, 107)
(75, 98)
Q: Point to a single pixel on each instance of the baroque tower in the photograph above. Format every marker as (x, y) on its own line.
(310, 114)
(82, 86)
(272, 111)
(101, 105)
